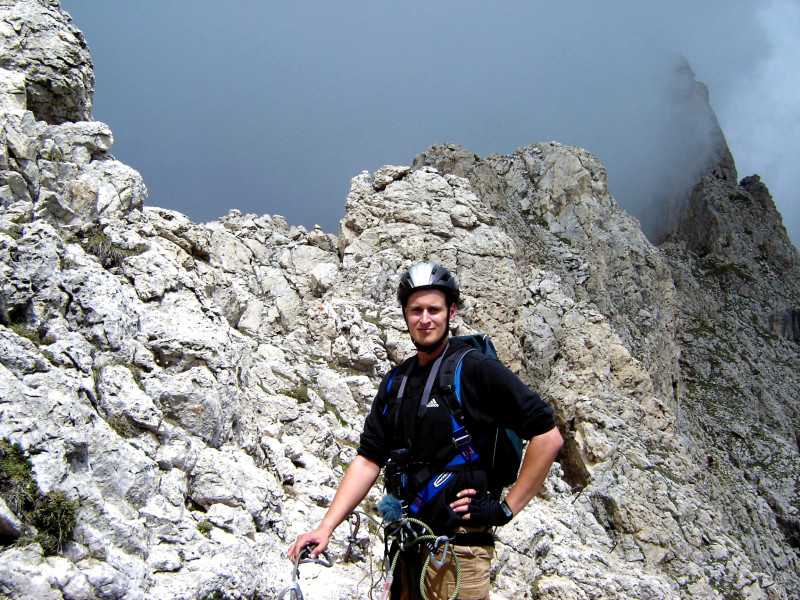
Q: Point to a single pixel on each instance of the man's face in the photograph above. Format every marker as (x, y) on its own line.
(427, 316)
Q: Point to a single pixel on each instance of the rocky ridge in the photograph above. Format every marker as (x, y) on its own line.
(198, 388)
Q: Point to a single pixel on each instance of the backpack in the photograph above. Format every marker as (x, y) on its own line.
(502, 450)
(506, 453)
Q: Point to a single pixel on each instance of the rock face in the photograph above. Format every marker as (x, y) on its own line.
(38, 41)
(198, 389)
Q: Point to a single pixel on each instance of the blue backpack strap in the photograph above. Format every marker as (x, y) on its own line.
(389, 387)
(450, 384)
(437, 484)
(400, 370)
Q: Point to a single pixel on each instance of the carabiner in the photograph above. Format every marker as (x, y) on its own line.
(302, 557)
(292, 587)
(439, 540)
(323, 559)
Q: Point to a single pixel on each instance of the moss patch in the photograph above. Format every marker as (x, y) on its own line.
(204, 527)
(123, 426)
(216, 595)
(298, 392)
(23, 331)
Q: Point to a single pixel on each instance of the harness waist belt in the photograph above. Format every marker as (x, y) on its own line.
(473, 538)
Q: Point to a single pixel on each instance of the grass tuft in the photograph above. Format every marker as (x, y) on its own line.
(51, 517)
(17, 485)
(98, 243)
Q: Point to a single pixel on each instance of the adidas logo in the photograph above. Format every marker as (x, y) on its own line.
(432, 403)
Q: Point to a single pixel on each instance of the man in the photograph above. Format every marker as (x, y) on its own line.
(493, 397)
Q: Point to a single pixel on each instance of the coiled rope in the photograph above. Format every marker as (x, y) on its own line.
(409, 534)
(432, 542)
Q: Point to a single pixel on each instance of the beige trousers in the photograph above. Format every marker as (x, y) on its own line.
(440, 582)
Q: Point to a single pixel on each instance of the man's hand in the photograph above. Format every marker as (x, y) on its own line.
(317, 539)
(480, 509)
(360, 476)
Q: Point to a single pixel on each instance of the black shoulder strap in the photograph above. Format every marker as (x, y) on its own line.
(449, 385)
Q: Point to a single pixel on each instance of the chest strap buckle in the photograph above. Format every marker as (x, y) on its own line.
(465, 439)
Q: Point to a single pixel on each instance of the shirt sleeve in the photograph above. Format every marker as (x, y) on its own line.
(375, 434)
(501, 398)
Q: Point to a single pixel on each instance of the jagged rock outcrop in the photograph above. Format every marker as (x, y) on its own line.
(198, 389)
(59, 173)
(54, 159)
(38, 42)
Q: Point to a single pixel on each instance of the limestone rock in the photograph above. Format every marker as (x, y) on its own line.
(10, 524)
(38, 40)
(12, 91)
(54, 161)
(200, 388)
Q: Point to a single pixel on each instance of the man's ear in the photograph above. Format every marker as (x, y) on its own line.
(452, 311)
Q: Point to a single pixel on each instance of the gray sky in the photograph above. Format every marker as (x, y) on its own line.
(271, 107)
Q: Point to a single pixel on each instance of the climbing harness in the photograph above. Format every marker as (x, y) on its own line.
(293, 589)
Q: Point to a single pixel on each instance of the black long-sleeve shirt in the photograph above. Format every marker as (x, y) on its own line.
(491, 397)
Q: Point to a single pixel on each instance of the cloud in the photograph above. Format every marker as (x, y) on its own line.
(682, 143)
(273, 107)
(761, 114)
